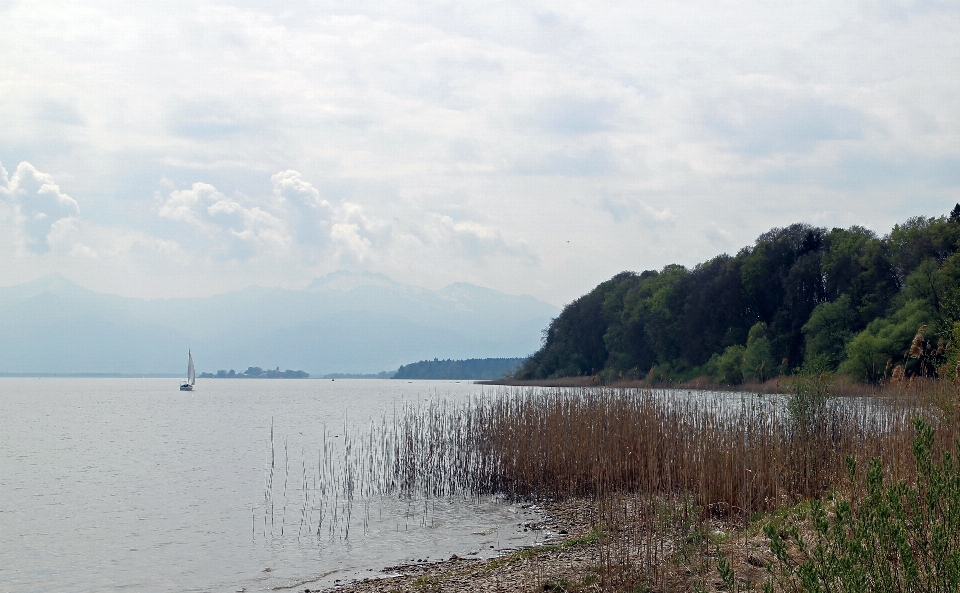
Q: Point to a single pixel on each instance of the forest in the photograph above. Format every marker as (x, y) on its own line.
(469, 369)
(802, 298)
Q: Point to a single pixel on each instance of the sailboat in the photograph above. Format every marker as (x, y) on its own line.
(191, 374)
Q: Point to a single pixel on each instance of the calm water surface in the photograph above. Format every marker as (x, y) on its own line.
(131, 485)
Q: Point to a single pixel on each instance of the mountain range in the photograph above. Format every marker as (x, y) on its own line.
(344, 322)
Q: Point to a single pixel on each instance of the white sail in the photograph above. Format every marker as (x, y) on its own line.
(191, 374)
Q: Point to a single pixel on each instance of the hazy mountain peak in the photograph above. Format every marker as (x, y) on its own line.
(55, 283)
(346, 280)
(346, 321)
(466, 293)
(52, 280)
(465, 290)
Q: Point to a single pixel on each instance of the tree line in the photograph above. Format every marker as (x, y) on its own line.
(469, 369)
(256, 373)
(802, 297)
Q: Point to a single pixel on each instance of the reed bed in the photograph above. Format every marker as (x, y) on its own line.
(661, 467)
(733, 454)
(730, 452)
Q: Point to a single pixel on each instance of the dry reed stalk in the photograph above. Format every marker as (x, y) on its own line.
(661, 465)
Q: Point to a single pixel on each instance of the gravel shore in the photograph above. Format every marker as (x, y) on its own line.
(568, 557)
(572, 560)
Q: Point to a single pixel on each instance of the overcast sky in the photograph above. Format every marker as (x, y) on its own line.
(189, 148)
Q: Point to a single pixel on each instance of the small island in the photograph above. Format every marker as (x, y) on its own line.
(256, 373)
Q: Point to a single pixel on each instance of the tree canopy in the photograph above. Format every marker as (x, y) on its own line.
(839, 300)
(470, 369)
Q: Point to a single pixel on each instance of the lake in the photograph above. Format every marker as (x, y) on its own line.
(132, 485)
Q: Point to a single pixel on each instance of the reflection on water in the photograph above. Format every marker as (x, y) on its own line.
(110, 484)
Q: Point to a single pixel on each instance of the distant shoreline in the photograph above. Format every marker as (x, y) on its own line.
(582, 381)
(180, 376)
(95, 375)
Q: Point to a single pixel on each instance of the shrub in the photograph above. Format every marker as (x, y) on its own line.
(730, 366)
(885, 340)
(809, 393)
(899, 536)
(758, 361)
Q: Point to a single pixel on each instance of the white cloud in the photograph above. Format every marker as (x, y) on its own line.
(357, 238)
(37, 211)
(720, 238)
(41, 230)
(232, 229)
(518, 122)
(471, 240)
(623, 208)
(296, 222)
(65, 237)
(311, 215)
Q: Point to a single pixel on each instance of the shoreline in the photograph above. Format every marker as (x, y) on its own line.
(578, 559)
(700, 384)
(92, 375)
(567, 552)
(841, 386)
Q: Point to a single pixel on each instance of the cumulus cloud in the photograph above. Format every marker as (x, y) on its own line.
(293, 217)
(39, 213)
(718, 237)
(508, 117)
(296, 221)
(622, 208)
(311, 215)
(66, 238)
(357, 234)
(39, 219)
(473, 240)
(235, 229)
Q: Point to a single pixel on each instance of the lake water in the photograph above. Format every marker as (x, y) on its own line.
(132, 485)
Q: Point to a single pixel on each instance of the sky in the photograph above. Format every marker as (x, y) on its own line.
(163, 149)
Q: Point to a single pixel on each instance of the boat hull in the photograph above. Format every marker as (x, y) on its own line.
(186, 387)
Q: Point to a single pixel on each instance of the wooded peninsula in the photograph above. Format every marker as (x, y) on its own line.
(801, 298)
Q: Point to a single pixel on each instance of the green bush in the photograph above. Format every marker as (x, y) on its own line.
(898, 537)
(885, 340)
(758, 361)
(809, 393)
(730, 366)
(828, 331)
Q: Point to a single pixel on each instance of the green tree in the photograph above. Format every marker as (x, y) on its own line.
(830, 327)
(729, 366)
(758, 361)
(930, 284)
(921, 238)
(714, 312)
(820, 296)
(872, 353)
(574, 342)
(857, 264)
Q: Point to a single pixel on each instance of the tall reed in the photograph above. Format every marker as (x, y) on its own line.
(730, 452)
(659, 465)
